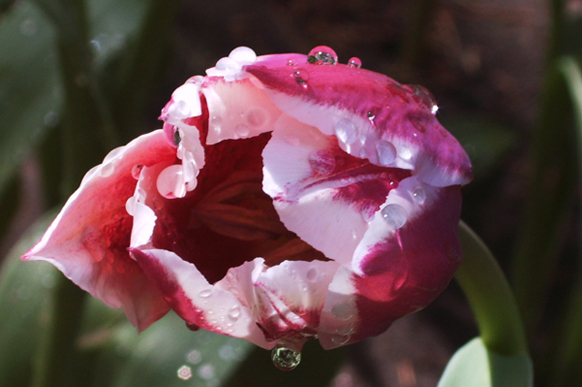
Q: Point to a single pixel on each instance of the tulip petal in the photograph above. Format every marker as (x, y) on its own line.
(324, 195)
(401, 271)
(368, 112)
(88, 240)
(193, 298)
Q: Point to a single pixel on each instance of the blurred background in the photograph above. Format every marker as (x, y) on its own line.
(78, 78)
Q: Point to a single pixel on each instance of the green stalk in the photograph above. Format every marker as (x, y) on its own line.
(490, 296)
(568, 355)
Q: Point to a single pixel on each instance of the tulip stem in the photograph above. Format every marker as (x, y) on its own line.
(490, 296)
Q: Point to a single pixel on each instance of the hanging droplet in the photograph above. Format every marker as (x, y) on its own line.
(301, 77)
(321, 162)
(386, 153)
(419, 195)
(285, 359)
(394, 215)
(346, 131)
(355, 62)
(322, 55)
(193, 327)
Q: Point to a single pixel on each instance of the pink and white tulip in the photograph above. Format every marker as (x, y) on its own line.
(288, 197)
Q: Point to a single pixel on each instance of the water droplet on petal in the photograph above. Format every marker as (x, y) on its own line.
(419, 195)
(346, 131)
(257, 117)
(106, 170)
(243, 55)
(114, 154)
(394, 215)
(291, 62)
(301, 77)
(425, 97)
(205, 293)
(136, 171)
(343, 311)
(355, 62)
(322, 55)
(242, 131)
(234, 313)
(292, 140)
(321, 162)
(312, 274)
(386, 153)
(170, 182)
(340, 340)
(285, 359)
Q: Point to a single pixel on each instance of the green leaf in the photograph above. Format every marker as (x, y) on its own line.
(24, 291)
(475, 366)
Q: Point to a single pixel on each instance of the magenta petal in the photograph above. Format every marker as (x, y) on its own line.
(89, 238)
(369, 113)
(405, 270)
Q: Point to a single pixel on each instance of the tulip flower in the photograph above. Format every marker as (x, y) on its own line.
(287, 197)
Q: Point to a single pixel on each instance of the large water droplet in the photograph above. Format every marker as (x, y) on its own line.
(343, 311)
(355, 62)
(322, 55)
(386, 153)
(321, 162)
(394, 215)
(301, 77)
(346, 131)
(170, 183)
(243, 55)
(285, 359)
